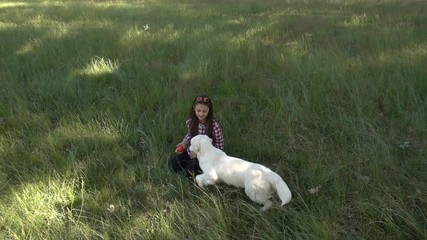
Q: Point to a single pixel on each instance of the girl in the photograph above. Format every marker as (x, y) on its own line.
(201, 121)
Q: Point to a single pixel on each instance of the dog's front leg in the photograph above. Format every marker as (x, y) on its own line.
(204, 180)
(200, 181)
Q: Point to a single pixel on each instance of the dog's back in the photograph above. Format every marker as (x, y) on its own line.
(249, 175)
(258, 181)
(232, 170)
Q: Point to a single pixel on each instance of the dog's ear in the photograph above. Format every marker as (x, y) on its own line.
(195, 145)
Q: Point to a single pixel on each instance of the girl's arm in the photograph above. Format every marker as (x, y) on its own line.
(218, 137)
(186, 141)
(187, 137)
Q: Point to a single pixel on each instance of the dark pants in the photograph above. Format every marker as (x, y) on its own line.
(183, 162)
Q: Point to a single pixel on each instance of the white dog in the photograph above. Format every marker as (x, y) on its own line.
(259, 182)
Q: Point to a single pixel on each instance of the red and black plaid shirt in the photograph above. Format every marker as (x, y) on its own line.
(218, 138)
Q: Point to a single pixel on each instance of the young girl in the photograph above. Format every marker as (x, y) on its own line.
(201, 121)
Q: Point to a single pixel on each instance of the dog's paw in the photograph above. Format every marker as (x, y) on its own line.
(201, 185)
(267, 205)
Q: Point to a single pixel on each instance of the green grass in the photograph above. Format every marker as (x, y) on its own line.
(330, 94)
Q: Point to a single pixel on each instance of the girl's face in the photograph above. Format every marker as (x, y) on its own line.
(201, 111)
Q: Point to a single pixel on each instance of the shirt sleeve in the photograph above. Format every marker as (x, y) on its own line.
(218, 138)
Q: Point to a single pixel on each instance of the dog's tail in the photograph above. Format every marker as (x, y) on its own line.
(282, 189)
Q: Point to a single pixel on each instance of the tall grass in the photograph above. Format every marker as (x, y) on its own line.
(330, 94)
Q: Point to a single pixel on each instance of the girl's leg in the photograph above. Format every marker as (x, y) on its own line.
(192, 168)
(179, 161)
(175, 164)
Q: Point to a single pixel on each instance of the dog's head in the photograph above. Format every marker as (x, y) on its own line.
(199, 143)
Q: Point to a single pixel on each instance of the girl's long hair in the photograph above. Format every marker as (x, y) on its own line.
(194, 121)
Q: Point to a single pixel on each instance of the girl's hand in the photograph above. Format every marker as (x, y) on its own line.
(180, 148)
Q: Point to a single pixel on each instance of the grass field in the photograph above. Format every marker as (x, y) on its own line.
(331, 94)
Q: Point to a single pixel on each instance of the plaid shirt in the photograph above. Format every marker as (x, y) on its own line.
(218, 138)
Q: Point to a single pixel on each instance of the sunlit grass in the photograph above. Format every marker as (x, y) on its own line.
(418, 50)
(29, 46)
(12, 4)
(32, 207)
(6, 26)
(99, 66)
(135, 34)
(360, 20)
